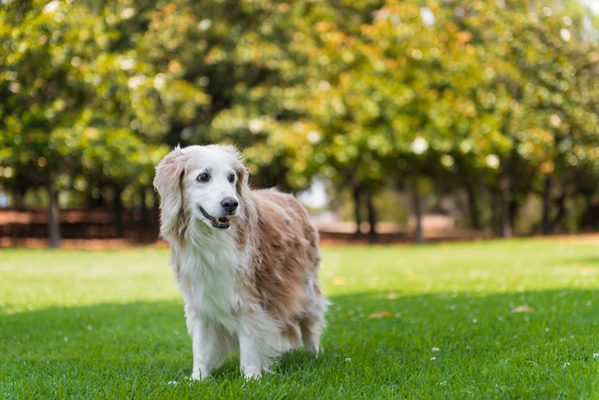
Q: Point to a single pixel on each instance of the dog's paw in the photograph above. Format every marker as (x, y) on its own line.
(196, 377)
(251, 372)
(199, 376)
(314, 349)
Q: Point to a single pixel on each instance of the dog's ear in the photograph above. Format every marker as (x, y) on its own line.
(243, 187)
(169, 184)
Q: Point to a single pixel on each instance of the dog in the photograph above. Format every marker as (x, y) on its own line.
(246, 261)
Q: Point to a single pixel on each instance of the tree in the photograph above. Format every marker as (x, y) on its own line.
(63, 91)
(42, 93)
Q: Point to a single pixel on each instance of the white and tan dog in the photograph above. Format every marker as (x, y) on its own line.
(246, 261)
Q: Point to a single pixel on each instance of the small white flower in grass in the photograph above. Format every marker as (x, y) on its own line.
(66, 339)
(566, 364)
(596, 355)
(172, 382)
(348, 360)
(433, 358)
(474, 320)
(89, 328)
(436, 349)
(442, 383)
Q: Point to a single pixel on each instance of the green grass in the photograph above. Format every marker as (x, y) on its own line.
(110, 324)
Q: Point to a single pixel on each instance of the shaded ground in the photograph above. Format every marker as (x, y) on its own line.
(343, 233)
(96, 228)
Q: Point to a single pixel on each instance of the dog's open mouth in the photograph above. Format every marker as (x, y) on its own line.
(221, 223)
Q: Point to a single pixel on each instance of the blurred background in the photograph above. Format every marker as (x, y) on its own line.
(392, 121)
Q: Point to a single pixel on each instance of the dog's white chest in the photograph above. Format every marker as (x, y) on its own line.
(214, 283)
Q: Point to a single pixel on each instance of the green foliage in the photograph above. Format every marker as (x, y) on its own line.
(366, 94)
(62, 119)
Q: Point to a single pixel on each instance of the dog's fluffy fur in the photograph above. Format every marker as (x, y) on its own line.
(249, 276)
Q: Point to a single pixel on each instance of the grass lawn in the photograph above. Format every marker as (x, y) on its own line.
(109, 324)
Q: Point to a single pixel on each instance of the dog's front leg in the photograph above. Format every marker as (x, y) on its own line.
(209, 349)
(204, 352)
(251, 365)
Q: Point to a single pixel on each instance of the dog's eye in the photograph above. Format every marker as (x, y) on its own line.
(231, 178)
(203, 177)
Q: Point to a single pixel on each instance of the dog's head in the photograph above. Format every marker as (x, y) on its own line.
(205, 183)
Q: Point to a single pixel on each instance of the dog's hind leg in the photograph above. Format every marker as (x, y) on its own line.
(310, 327)
(312, 324)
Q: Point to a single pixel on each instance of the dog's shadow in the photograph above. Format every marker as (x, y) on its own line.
(288, 364)
(150, 338)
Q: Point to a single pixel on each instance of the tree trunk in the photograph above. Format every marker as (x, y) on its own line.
(590, 216)
(53, 217)
(155, 202)
(514, 206)
(144, 209)
(547, 206)
(504, 188)
(417, 210)
(118, 212)
(372, 235)
(100, 201)
(357, 201)
(561, 211)
(17, 195)
(474, 219)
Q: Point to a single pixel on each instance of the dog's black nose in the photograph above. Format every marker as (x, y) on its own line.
(229, 204)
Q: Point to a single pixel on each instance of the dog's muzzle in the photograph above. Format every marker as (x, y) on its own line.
(220, 223)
